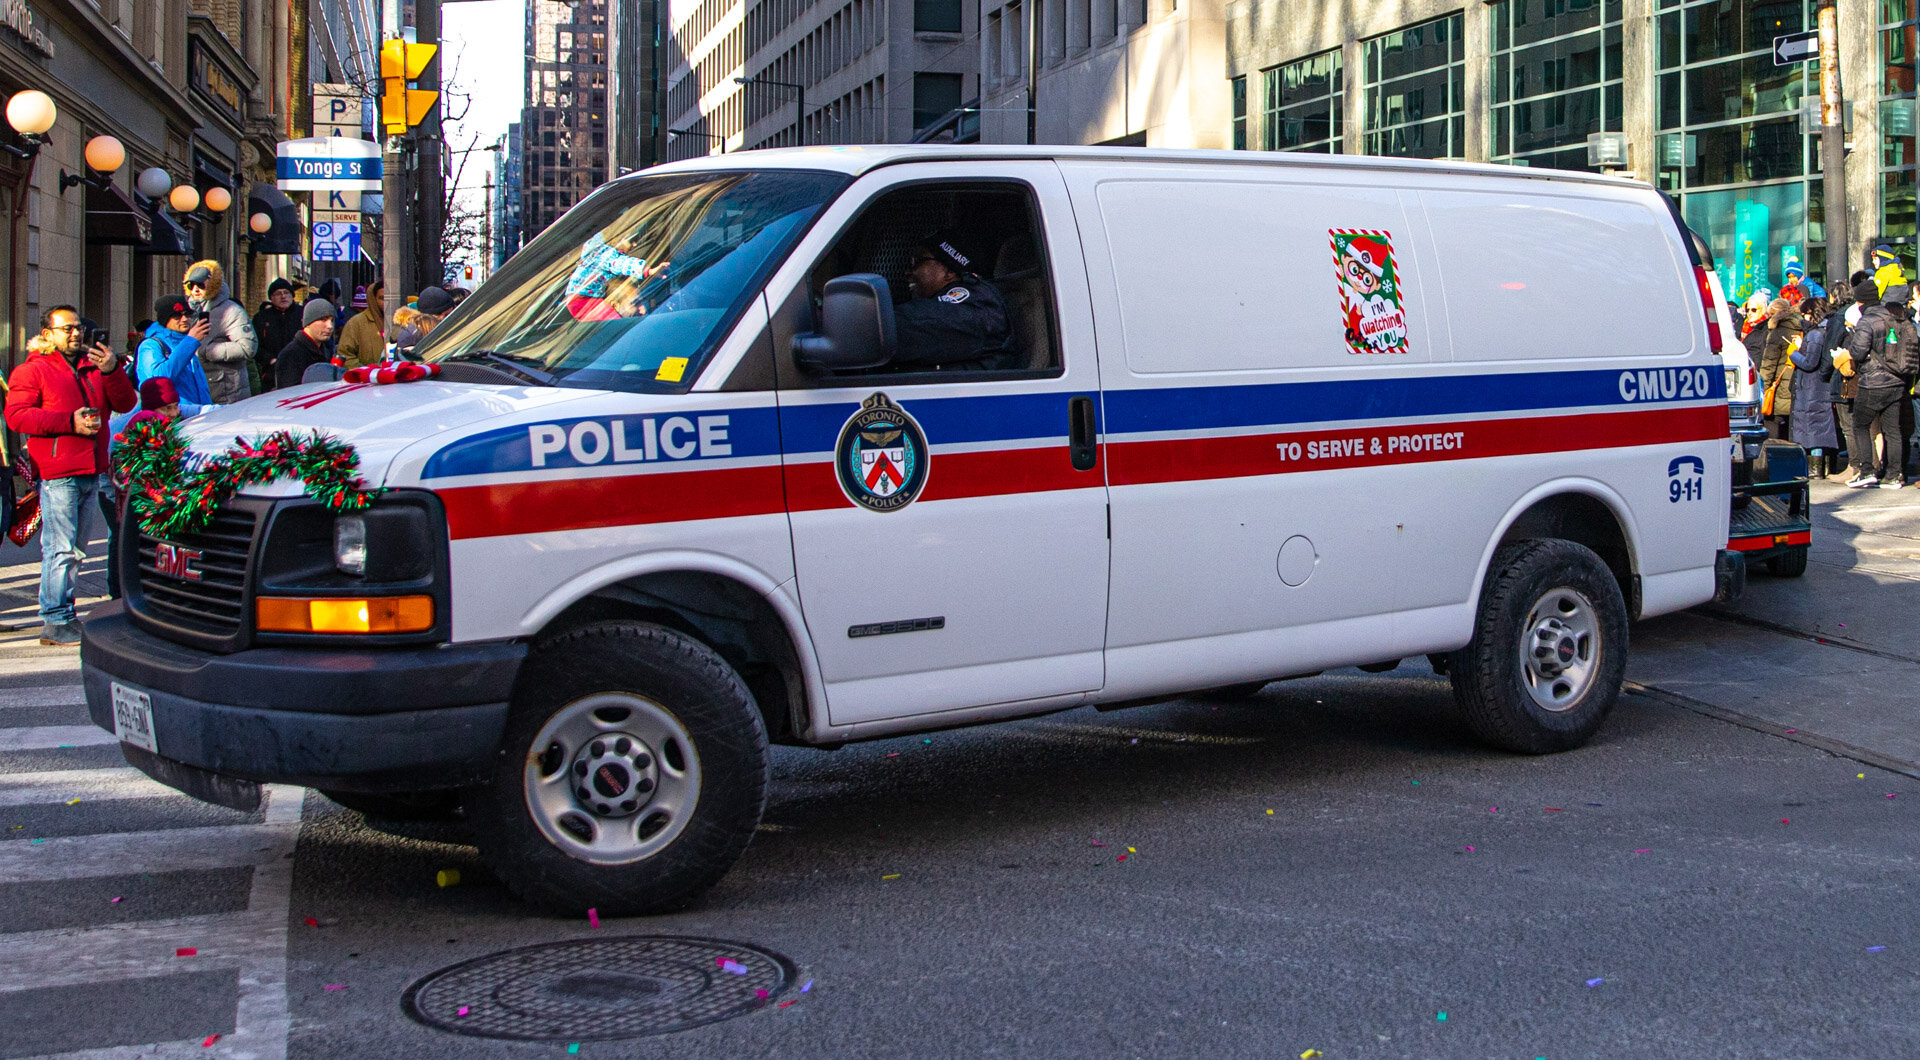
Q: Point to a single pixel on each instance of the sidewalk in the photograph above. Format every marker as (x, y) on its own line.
(20, 584)
(1834, 655)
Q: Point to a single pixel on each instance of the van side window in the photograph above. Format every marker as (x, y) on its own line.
(967, 268)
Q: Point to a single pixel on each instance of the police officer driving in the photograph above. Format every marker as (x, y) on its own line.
(954, 320)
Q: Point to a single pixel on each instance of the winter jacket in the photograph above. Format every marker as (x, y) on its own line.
(1810, 424)
(273, 329)
(295, 358)
(1783, 326)
(42, 396)
(1756, 344)
(230, 344)
(363, 341)
(172, 355)
(1867, 344)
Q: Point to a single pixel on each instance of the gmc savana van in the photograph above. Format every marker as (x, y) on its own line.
(680, 490)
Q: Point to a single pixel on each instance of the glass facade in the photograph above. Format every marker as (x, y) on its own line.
(1556, 79)
(1415, 90)
(1897, 156)
(1302, 104)
(1733, 139)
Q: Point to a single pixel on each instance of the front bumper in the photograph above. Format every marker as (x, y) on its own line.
(402, 719)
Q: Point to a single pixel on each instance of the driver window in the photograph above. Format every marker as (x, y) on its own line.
(968, 274)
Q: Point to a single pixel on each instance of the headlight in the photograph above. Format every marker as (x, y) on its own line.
(350, 544)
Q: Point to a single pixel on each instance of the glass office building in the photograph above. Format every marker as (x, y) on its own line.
(1707, 112)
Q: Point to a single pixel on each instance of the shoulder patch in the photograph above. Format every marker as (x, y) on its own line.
(956, 295)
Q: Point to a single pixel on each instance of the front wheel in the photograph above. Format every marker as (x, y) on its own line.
(1549, 649)
(632, 774)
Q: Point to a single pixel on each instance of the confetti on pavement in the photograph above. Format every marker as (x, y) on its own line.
(894, 876)
(447, 877)
(807, 987)
(208, 1044)
(1553, 809)
(1644, 850)
(1783, 820)
(73, 802)
(1098, 843)
(312, 923)
(761, 994)
(593, 919)
(730, 966)
(1875, 949)
(785, 1003)
(334, 986)
(1790, 732)
(1595, 982)
(1122, 857)
(1441, 1016)
(113, 901)
(1469, 850)
(1310, 1054)
(573, 1048)
(463, 1011)
(186, 951)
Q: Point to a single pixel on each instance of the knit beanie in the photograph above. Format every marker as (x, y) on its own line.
(318, 309)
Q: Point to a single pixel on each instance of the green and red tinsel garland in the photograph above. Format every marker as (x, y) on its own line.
(169, 499)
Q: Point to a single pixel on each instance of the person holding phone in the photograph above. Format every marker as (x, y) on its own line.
(60, 398)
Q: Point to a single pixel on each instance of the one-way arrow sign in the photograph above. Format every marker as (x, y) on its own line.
(1796, 48)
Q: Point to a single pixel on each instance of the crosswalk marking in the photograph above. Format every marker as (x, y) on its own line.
(138, 949)
(42, 696)
(252, 943)
(52, 737)
(171, 850)
(59, 785)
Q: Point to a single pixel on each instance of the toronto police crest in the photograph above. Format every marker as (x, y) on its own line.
(882, 456)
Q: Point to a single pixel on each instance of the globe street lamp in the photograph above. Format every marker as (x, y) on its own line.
(184, 199)
(31, 114)
(105, 155)
(153, 183)
(259, 223)
(218, 199)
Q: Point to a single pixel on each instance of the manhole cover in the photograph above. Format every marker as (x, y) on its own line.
(598, 989)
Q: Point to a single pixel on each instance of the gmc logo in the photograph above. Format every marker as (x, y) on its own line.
(176, 561)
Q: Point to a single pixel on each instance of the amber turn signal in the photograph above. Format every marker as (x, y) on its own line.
(333, 614)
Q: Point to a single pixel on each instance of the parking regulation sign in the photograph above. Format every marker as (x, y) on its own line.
(336, 241)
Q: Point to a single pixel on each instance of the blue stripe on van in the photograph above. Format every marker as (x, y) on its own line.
(1333, 400)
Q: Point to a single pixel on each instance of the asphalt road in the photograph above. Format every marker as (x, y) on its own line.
(1697, 881)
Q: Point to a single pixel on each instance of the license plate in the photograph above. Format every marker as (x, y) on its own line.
(133, 717)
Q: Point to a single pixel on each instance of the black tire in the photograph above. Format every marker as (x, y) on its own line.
(401, 806)
(1789, 564)
(1233, 693)
(674, 681)
(1490, 681)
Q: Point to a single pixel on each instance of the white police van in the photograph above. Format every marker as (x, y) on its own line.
(1271, 414)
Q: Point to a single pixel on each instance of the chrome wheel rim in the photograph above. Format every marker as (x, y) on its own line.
(1560, 649)
(612, 778)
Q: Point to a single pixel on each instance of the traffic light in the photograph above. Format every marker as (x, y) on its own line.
(469, 272)
(401, 107)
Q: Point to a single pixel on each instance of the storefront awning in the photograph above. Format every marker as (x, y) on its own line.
(284, 236)
(169, 236)
(113, 219)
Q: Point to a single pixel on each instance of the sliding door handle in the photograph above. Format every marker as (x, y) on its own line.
(1081, 434)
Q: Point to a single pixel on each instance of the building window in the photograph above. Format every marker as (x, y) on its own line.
(1897, 126)
(1556, 79)
(934, 97)
(936, 16)
(1239, 113)
(1732, 141)
(1302, 103)
(1415, 83)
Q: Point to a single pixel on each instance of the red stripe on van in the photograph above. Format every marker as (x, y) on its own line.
(630, 500)
(1185, 459)
(813, 487)
(617, 500)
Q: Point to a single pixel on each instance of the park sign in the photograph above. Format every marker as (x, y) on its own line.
(327, 163)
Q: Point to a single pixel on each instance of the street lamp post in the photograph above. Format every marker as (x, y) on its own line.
(721, 140)
(799, 103)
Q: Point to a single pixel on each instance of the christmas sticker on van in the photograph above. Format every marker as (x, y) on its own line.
(1370, 291)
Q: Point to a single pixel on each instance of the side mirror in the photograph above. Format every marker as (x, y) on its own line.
(856, 326)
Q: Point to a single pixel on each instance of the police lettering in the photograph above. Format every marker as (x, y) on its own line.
(1666, 384)
(630, 441)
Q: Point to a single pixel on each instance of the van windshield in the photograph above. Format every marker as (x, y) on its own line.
(633, 288)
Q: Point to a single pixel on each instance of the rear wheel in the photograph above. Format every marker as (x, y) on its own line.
(1549, 649)
(632, 773)
(1789, 564)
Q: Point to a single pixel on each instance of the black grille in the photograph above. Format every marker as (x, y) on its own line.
(214, 605)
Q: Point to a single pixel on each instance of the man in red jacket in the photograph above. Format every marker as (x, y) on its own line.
(60, 398)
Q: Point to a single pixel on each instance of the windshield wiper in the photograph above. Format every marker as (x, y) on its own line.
(508, 364)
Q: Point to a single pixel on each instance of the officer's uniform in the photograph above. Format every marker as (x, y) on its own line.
(963, 327)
